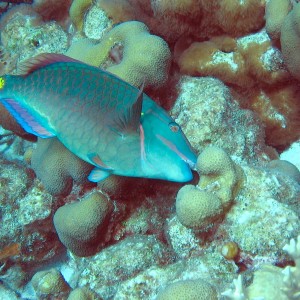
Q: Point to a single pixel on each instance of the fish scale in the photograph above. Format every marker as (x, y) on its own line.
(99, 117)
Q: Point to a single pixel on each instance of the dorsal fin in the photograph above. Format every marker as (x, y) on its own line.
(129, 120)
(32, 64)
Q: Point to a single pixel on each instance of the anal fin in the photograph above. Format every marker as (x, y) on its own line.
(26, 119)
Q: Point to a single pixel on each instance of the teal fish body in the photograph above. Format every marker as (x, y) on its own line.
(99, 117)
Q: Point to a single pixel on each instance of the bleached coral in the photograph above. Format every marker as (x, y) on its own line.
(269, 282)
(291, 275)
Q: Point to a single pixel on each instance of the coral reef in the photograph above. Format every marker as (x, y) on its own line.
(24, 34)
(276, 11)
(127, 44)
(77, 12)
(91, 213)
(57, 167)
(228, 72)
(220, 181)
(196, 208)
(216, 168)
(290, 41)
(204, 105)
(112, 266)
(271, 282)
(285, 167)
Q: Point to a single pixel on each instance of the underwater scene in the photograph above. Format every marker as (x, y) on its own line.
(149, 149)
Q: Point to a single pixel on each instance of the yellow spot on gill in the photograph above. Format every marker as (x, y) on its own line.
(2, 83)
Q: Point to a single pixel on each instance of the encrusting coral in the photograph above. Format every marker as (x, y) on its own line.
(204, 105)
(250, 62)
(137, 56)
(79, 224)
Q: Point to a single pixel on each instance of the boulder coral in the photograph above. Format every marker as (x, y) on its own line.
(50, 282)
(290, 41)
(83, 294)
(219, 173)
(189, 290)
(57, 167)
(196, 208)
(77, 11)
(276, 11)
(286, 168)
(220, 180)
(79, 224)
(128, 51)
(199, 18)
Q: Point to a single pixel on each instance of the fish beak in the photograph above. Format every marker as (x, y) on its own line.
(191, 164)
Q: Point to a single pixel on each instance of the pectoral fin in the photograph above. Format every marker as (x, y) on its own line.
(97, 175)
(97, 161)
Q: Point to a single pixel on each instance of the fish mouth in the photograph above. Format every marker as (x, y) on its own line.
(190, 163)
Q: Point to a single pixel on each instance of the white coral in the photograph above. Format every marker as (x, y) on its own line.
(238, 293)
(291, 275)
(290, 279)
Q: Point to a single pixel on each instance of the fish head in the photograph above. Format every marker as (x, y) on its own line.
(167, 154)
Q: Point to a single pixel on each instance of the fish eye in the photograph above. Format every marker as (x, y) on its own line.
(174, 127)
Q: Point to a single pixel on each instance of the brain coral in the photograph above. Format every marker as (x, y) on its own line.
(57, 167)
(140, 56)
(189, 290)
(78, 224)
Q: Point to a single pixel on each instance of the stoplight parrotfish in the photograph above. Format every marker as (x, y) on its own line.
(99, 117)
